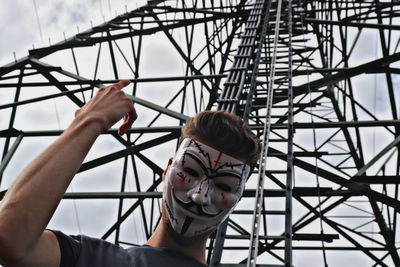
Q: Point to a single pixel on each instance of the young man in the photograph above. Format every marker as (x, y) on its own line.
(203, 183)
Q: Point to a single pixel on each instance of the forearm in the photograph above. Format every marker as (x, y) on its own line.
(31, 201)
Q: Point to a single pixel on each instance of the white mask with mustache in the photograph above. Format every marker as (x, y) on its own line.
(201, 188)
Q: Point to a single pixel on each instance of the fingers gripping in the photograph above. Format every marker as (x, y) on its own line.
(109, 105)
(131, 116)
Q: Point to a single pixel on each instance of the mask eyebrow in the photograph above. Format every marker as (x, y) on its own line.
(201, 151)
(233, 175)
(230, 165)
(201, 164)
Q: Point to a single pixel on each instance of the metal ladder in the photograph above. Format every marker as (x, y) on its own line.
(269, 22)
(279, 89)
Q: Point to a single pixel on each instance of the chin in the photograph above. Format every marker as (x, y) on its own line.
(178, 238)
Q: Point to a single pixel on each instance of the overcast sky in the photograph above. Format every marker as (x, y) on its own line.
(19, 27)
(19, 30)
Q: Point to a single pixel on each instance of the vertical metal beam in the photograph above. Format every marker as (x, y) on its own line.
(114, 64)
(6, 159)
(219, 244)
(11, 123)
(290, 170)
(121, 201)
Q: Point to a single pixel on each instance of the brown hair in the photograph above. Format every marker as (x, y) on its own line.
(224, 131)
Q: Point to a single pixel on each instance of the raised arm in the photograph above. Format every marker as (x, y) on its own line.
(31, 201)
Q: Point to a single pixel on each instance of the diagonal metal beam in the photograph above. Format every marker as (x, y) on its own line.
(298, 225)
(179, 50)
(42, 68)
(163, 110)
(354, 186)
(345, 74)
(128, 151)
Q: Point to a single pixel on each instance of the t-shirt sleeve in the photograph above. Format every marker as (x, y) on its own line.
(70, 248)
(83, 251)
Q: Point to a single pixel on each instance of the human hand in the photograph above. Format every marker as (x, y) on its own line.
(108, 106)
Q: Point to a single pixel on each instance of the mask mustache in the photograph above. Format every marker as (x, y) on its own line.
(191, 204)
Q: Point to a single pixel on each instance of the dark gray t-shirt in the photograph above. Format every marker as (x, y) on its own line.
(84, 251)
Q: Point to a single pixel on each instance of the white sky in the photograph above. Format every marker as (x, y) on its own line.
(19, 30)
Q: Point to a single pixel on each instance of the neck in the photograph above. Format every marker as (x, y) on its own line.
(165, 236)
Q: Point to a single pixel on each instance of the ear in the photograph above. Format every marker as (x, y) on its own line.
(166, 169)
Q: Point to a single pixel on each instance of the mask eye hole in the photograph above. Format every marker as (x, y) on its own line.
(191, 172)
(223, 187)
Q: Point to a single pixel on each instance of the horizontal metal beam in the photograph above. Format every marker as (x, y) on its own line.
(315, 237)
(298, 237)
(353, 24)
(340, 124)
(244, 265)
(386, 179)
(249, 193)
(156, 129)
(112, 195)
(96, 82)
(333, 248)
(333, 124)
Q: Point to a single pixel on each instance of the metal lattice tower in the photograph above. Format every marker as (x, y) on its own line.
(317, 81)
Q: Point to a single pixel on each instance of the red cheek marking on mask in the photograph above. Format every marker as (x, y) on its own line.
(224, 202)
(169, 191)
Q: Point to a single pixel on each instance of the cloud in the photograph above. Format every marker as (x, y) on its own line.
(18, 29)
(18, 26)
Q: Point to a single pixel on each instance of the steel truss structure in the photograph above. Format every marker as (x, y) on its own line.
(317, 81)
